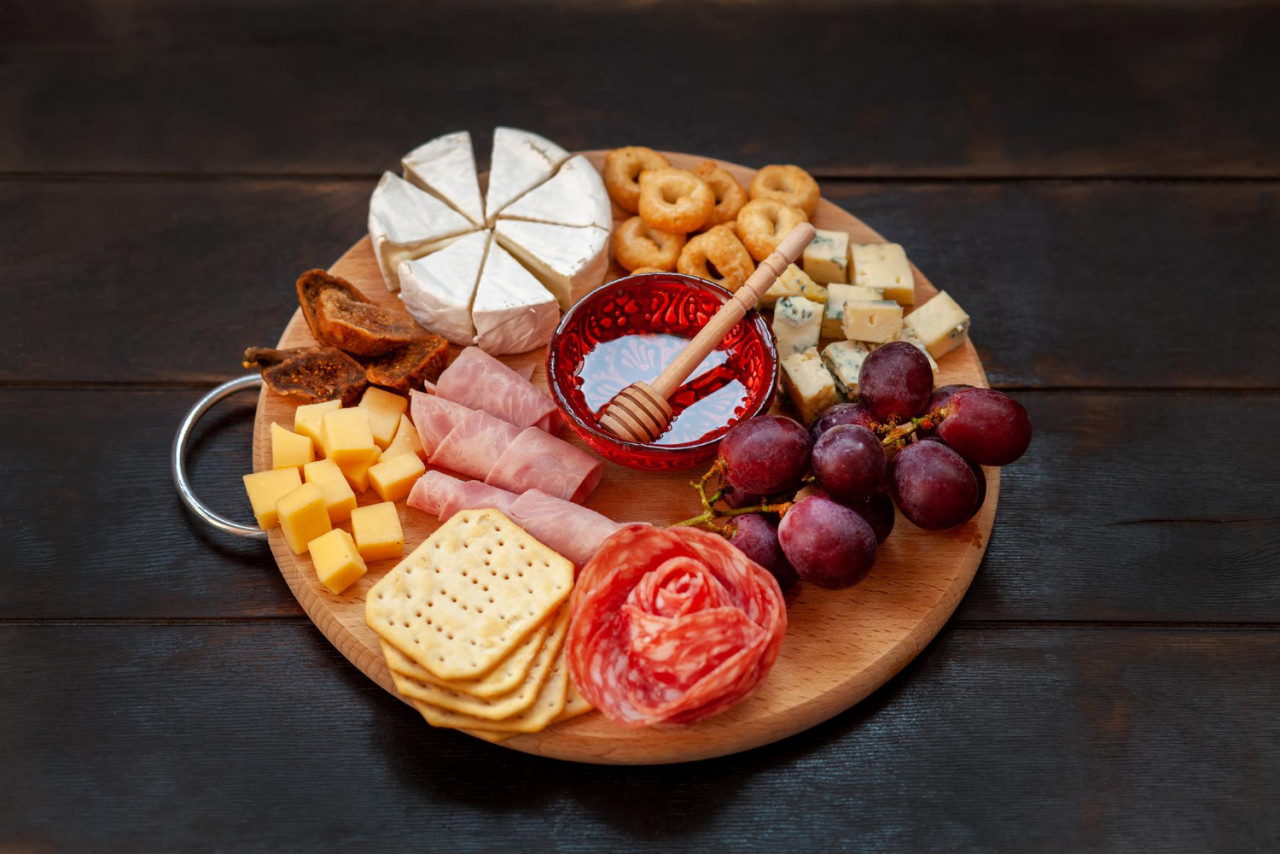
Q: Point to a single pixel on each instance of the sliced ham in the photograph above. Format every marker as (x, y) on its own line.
(479, 381)
(538, 460)
(570, 529)
(434, 417)
(476, 443)
(442, 495)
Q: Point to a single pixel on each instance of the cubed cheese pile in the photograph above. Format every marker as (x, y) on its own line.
(319, 467)
(857, 297)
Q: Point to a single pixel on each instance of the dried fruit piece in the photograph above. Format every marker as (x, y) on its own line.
(311, 374)
(421, 360)
(362, 328)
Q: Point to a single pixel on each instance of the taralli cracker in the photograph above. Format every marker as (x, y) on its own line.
(790, 185)
(466, 597)
(730, 197)
(762, 223)
(503, 678)
(637, 245)
(622, 170)
(719, 247)
(674, 200)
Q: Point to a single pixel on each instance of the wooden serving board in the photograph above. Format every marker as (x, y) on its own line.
(840, 645)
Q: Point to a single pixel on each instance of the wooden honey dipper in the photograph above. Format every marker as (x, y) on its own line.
(640, 412)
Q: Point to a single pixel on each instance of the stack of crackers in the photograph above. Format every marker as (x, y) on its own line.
(473, 625)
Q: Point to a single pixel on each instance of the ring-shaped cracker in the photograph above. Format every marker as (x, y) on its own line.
(730, 197)
(721, 247)
(639, 270)
(674, 200)
(622, 168)
(636, 245)
(762, 223)
(790, 185)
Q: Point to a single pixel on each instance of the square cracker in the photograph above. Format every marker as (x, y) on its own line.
(505, 677)
(575, 705)
(465, 598)
(545, 709)
(500, 707)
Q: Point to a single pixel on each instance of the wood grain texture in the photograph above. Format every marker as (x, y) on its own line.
(840, 645)
(259, 737)
(963, 89)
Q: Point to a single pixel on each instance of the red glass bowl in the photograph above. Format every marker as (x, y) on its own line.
(666, 303)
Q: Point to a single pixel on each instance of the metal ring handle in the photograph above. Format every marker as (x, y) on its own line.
(178, 460)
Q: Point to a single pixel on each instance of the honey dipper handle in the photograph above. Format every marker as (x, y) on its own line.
(744, 299)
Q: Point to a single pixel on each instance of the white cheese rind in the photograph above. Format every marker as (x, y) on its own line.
(575, 196)
(569, 261)
(797, 323)
(843, 360)
(406, 222)
(446, 166)
(826, 258)
(521, 161)
(437, 290)
(512, 311)
(883, 266)
(940, 324)
(807, 382)
(793, 282)
(878, 321)
(837, 296)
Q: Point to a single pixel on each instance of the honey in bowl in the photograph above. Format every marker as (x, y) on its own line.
(629, 330)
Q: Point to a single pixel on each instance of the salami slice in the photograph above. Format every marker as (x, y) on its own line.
(672, 626)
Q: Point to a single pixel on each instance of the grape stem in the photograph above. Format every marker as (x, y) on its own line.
(707, 518)
(898, 435)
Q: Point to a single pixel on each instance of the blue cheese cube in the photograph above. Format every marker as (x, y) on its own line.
(909, 335)
(883, 266)
(940, 324)
(826, 258)
(844, 360)
(796, 324)
(793, 283)
(877, 321)
(807, 382)
(837, 296)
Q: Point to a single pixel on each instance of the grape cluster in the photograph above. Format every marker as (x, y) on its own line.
(902, 442)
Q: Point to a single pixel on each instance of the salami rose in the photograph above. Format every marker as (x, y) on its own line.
(672, 626)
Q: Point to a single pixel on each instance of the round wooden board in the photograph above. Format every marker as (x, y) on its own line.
(840, 645)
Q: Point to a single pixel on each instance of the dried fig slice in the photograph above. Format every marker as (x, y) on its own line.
(408, 367)
(362, 328)
(311, 374)
(312, 285)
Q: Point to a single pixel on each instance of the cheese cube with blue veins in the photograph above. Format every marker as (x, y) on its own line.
(837, 296)
(793, 282)
(883, 266)
(807, 382)
(844, 360)
(909, 335)
(797, 323)
(940, 324)
(826, 258)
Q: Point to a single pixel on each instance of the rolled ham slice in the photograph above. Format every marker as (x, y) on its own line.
(538, 460)
(434, 417)
(476, 443)
(440, 495)
(479, 381)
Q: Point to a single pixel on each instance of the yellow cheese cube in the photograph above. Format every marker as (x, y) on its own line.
(877, 321)
(406, 441)
(306, 419)
(826, 258)
(837, 296)
(303, 516)
(392, 479)
(793, 282)
(339, 499)
(348, 436)
(288, 449)
(377, 531)
(883, 266)
(385, 409)
(265, 488)
(338, 563)
(357, 474)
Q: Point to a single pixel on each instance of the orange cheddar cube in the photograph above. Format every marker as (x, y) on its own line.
(307, 418)
(377, 531)
(339, 498)
(405, 441)
(338, 563)
(348, 437)
(265, 488)
(303, 516)
(385, 409)
(392, 479)
(357, 474)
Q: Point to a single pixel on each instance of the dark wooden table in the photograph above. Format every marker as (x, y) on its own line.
(1097, 183)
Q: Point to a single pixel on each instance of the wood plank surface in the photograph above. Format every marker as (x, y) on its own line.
(259, 738)
(1128, 506)
(958, 89)
(1107, 284)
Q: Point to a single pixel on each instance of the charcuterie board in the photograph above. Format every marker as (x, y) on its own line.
(840, 645)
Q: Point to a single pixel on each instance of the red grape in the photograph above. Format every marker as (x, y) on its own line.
(828, 544)
(934, 486)
(942, 394)
(895, 380)
(849, 462)
(841, 413)
(736, 498)
(765, 455)
(877, 509)
(986, 426)
(756, 536)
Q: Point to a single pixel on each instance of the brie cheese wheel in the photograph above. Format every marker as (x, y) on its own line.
(512, 312)
(446, 167)
(569, 261)
(405, 222)
(575, 196)
(521, 161)
(438, 289)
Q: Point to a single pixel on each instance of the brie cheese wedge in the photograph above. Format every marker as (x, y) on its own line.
(446, 167)
(405, 222)
(521, 161)
(570, 262)
(575, 196)
(437, 290)
(512, 313)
